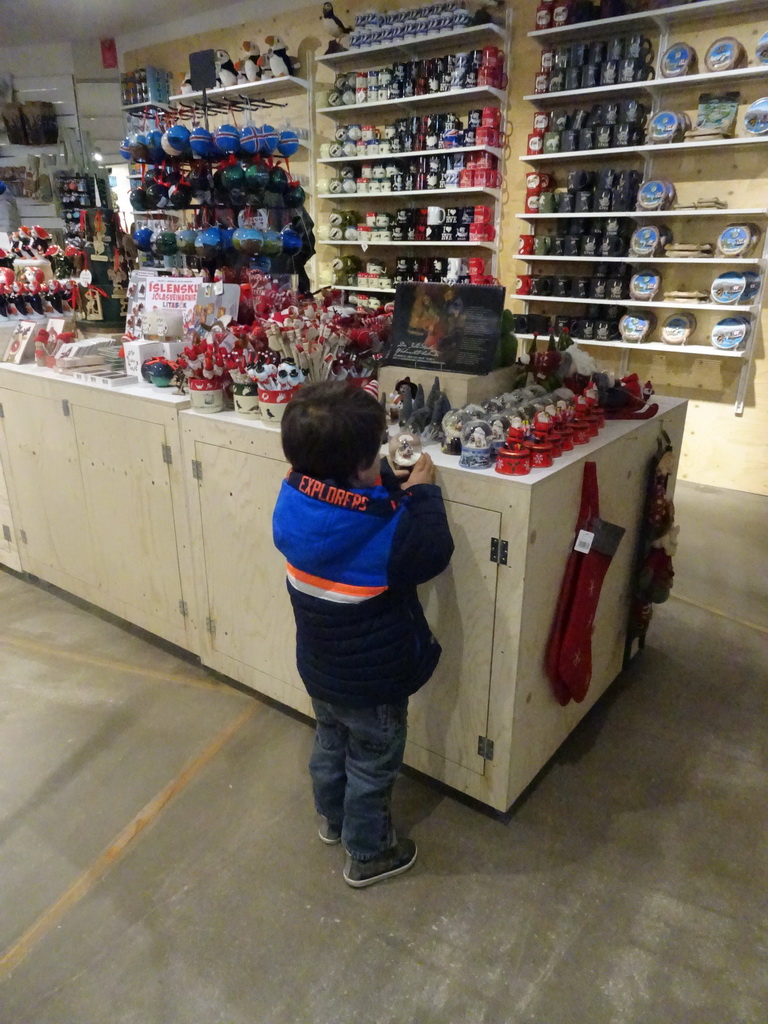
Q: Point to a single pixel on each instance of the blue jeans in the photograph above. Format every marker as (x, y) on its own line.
(357, 755)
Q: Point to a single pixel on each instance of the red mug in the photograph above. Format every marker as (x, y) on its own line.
(466, 177)
(526, 245)
(485, 178)
(532, 202)
(493, 58)
(535, 143)
(561, 14)
(541, 120)
(541, 83)
(492, 137)
(524, 284)
(493, 77)
(547, 59)
(476, 266)
(544, 14)
(481, 232)
(485, 159)
(483, 215)
(490, 117)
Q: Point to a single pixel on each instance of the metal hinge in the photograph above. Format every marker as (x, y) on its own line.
(65, 406)
(210, 626)
(2, 411)
(167, 454)
(197, 470)
(23, 535)
(499, 550)
(485, 748)
(183, 609)
(7, 532)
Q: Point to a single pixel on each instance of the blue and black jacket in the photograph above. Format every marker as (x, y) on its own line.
(355, 558)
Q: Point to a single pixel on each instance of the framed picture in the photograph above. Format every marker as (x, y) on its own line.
(446, 327)
(21, 347)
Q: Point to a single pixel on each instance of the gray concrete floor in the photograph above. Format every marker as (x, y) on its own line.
(628, 885)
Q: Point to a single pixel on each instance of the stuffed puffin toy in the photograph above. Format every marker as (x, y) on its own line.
(249, 65)
(280, 63)
(226, 72)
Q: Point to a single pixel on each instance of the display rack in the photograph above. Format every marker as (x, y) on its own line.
(454, 100)
(693, 16)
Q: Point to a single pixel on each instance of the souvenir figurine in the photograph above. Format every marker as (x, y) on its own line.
(279, 62)
(226, 72)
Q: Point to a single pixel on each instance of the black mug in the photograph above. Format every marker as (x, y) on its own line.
(609, 73)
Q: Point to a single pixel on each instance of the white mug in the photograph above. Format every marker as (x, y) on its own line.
(349, 185)
(323, 184)
(325, 151)
(435, 215)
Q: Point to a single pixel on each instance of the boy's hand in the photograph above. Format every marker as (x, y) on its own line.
(422, 473)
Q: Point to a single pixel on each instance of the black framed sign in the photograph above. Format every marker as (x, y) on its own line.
(446, 327)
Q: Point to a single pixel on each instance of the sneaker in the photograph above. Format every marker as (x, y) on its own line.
(394, 861)
(329, 834)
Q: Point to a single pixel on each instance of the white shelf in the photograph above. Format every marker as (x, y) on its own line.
(607, 27)
(285, 85)
(410, 245)
(646, 214)
(361, 288)
(494, 193)
(131, 108)
(741, 75)
(695, 260)
(472, 36)
(447, 151)
(659, 147)
(652, 346)
(482, 92)
(637, 304)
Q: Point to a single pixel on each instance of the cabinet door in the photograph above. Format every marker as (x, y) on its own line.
(47, 488)
(8, 553)
(448, 715)
(130, 507)
(248, 602)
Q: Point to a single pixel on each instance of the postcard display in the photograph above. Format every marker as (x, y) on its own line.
(607, 229)
(411, 139)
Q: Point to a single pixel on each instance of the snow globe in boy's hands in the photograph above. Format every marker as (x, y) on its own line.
(404, 450)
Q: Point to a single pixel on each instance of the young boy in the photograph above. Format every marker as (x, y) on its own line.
(358, 540)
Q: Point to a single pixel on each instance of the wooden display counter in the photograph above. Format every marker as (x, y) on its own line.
(96, 495)
(150, 510)
(487, 722)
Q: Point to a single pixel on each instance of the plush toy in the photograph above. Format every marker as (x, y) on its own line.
(249, 65)
(226, 72)
(279, 62)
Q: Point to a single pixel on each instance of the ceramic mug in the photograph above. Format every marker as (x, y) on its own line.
(435, 215)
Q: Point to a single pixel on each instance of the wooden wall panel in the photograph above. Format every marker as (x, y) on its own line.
(719, 449)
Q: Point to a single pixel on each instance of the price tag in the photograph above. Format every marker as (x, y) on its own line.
(584, 542)
(86, 277)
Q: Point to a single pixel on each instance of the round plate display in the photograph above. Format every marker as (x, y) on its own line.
(666, 126)
(728, 288)
(653, 195)
(731, 333)
(635, 328)
(756, 117)
(678, 61)
(736, 240)
(724, 54)
(678, 328)
(646, 241)
(762, 49)
(643, 287)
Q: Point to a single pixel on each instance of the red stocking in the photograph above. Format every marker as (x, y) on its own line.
(588, 510)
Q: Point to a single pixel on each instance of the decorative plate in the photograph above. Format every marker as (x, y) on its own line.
(678, 61)
(731, 333)
(646, 241)
(666, 126)
(635, 327)
(728, 288)
(724, 54)
(756, 117)
(653, 195)
(643, 287)
(678, 328)
(736, 240)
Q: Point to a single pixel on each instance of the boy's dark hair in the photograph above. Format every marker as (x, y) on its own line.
(331, 430)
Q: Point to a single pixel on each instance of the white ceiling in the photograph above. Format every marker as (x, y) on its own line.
(50, 21)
